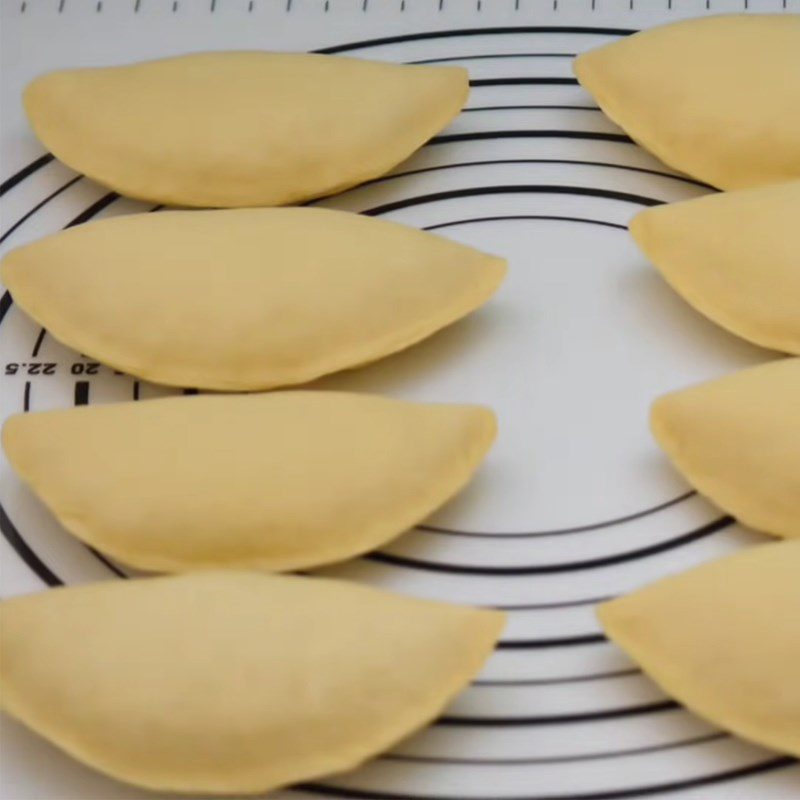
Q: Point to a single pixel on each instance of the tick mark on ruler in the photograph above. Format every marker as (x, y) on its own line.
(26, 398)
(23, 7)
(402, 5)
(81, 393)
(213, 6)
(516, 5)
(61, 4)
(250, 7)
(136, 6)
(365, 5)
(441, 4)
(478, 5)
(327, 6)
(38, 343)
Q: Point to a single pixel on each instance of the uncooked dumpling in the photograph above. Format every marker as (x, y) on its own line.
(249, 298)
(737, 441)
(276, 481)
(735, 257)
(232, 682)
(241, 128)
(717, 97)
(723, 640)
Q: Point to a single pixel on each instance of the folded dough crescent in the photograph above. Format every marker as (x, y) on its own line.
(723, 640)
(246, 298)
(275, 481)
(736, 439)
(241, 128)
(735, 256)
(715, 97)
(233, 682)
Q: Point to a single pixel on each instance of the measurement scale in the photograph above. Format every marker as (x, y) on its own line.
(575, 503)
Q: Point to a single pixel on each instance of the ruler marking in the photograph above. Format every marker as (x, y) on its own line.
(38, 343)
(213, 6)
(23, 7)
(61, 6)
(364, 5)
(26, 398)
(174, 6)
(478, 5)
(81, 393)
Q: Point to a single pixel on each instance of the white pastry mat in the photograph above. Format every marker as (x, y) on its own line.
(574, 504)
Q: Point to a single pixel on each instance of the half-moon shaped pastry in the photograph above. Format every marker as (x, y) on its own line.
(241, 128)
(233, 682)
(277, 481)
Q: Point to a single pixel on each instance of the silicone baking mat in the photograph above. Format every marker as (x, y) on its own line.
(575, 503)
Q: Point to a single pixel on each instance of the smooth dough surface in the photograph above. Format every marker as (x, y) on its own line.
(241, 128)
(277, 481)
(737, 441)
(735, 256)
(247, 298)
(723, 640)
(233, 682)
(715, 97)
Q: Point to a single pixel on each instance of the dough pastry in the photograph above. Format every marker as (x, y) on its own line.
(241, 128)
(737, 441)
(717, 97)
(276, 481)
(723, 640)
(232, 682)
(248, 298)
(735, 257)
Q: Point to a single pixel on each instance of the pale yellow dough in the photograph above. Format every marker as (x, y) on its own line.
(735, 257)
(247, 298)
(723, 640)
(737, 441)
(241, 128)
(716, 97)
(231, 682)
(278, 481)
